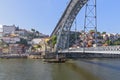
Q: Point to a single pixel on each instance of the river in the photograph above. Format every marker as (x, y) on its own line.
(82, 69)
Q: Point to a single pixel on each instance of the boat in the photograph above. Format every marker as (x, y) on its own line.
(55, 60)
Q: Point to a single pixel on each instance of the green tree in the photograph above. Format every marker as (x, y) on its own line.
(36, 47)
(98, 33)
(117, 42)
(52, 41)
(109, 42)
(92, 31)
(23, 41)
(3, 44)
(33, 30)
(37, 34)
(103, 32)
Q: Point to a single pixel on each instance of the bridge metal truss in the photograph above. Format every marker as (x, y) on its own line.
(90, 22)
(63, 27)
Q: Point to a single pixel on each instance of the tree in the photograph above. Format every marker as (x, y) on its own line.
(37, 33)
(17, 28)
(39, 46)
(92, 31)
(3, 44)
(109, 42)
(116, 42)
(23, 41)
(52, 41)
(103, 32)
(36, 47)
(98, 33)
(33, 30)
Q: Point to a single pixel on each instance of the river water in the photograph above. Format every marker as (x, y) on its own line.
(82, 69)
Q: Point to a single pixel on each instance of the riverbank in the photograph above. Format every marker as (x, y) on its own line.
(64, 56)
(9, 56)
(17, 56)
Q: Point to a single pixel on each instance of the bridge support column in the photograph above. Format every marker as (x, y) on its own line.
(90, 22)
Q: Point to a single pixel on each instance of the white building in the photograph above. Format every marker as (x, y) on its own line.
(21, 32)
(36, 40)
(1, 31)
(11, 39)
(8, 29)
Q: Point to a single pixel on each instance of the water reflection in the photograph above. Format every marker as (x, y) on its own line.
(23, 69)
(102, 64)
(82, 72)
(105, 69)
(71, 71)
(83, 69)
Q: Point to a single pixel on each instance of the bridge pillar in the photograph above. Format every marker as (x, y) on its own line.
(90, 22)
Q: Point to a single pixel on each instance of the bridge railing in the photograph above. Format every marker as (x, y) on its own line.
(102, 49)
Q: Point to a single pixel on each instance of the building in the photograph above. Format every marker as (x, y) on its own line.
(36, 40)
(21, 32)
(8, 29)
(11, 39)
(16, 49)
(1, 31)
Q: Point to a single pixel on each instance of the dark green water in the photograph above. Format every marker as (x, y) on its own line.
(83, 69)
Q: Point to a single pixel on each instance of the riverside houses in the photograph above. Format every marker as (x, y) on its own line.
(16, 49)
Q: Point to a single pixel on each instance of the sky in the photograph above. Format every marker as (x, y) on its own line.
(43, 15)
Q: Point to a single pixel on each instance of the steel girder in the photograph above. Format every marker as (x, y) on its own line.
(64, 25)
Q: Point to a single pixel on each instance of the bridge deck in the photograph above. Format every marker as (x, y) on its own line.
(102, 50)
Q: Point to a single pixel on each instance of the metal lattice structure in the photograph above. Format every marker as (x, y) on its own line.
(63, 27)
(90, 22)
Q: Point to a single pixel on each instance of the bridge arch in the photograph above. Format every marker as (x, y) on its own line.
(63, 27)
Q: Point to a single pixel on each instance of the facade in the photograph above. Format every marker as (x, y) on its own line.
(1, 35)
(16, 49)
(8, 29)
(11, 39)
(1, 31)
(36, 40)
(21, 32)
